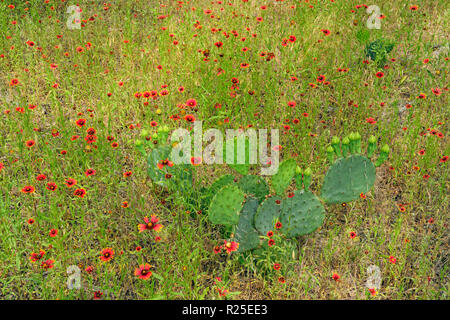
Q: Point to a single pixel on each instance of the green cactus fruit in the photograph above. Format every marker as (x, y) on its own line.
(299, 177)
(301, 214)
(347, 178)
(345, 146)
(254, 185)
(241, 168)
(335, 145)
(226, 205)
(357, 142)
(307, 178)
(330, 154)
(352, 137)
(282, 179)
(372, 146)
(267, 214)
(383, 155)
(246, 235)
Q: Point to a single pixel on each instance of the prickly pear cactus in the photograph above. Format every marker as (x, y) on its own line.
(301, 214)
(246, 235)
(255, 186)
(226, 205)
(282, 179)
(267, 214)
(347, 178)
(378, 50)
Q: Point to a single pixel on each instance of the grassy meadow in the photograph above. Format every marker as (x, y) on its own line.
(76, 95)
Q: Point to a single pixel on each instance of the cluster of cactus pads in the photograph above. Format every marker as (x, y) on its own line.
(247, 207)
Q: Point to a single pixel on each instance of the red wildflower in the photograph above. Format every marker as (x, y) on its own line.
(90, 172)
(37, 256)
(51, 186)
(150, 224)
(292, 104)
(189, 118)
(28, 189)
(107, 254)
(81, 122)
(41, 177)
(70, 182)
(371, 120)
(230, 246)
(196, 161)
(191, 103)
(127, 174)
(48, 264)
(143, 272)
(321, 78)
(79, 193)
(161, 164)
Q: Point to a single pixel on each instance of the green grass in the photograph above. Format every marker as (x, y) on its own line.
(183, 263)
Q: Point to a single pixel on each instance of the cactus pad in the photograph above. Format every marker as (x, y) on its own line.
(226, 205)
(254, 185)
(267, 214)
(246, 235)
(210, 192)
(347, 178)
(301, 214)
(282, 179)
